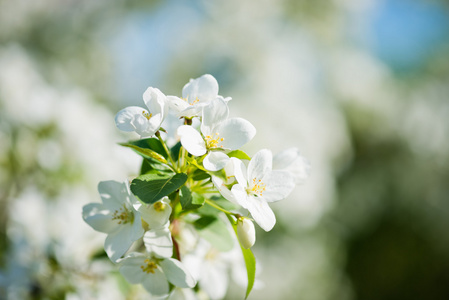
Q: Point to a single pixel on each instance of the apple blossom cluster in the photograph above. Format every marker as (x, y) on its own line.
(179, 226)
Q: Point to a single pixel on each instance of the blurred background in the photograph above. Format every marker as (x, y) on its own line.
(360, 87)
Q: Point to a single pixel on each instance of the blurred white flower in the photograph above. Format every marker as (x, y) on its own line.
(210, 268)
(154, 273)
(115, 216)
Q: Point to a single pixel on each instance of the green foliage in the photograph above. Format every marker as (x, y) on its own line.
(239, 154)
(190, 200)
(150, 148)
(151, 187)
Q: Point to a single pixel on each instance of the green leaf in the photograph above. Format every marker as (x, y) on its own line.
(190, 200)
(174, 151)
(151, 165)
(151, 187)
(200, 175)
(215, 231)
(250, 261)
(145, 152)
(194, 162)
(239, 154)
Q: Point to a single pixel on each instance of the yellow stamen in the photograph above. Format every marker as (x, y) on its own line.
(123, 215)
(193, 102)
(159, 206)
(149, 266)
(257, 188)
(213, 141)
(146, 115)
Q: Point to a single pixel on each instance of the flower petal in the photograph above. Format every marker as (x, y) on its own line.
(240, 195)
(261, 212)
(130, 268)
(176, 273)
(214, 113)
(279, 184)
(215, 161)
(156, 283)
(125, 117)
(192, 140)
(260, 164)
(204, 88)
(155, 101)
(238, 171)
(177, 104)
(159, 242)
(99, 218)
(224, 191)
(157, 214)
(113, 194)
(236, 132)
(291, 160)
(118, 242)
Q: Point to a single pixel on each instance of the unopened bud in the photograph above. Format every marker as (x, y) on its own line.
(246, 232)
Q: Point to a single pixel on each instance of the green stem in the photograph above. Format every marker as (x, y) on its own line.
(220, 208)
(158, 134)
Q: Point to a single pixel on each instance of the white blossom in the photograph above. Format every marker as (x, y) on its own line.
(115, 216)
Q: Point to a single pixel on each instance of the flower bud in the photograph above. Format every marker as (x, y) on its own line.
(246, 232)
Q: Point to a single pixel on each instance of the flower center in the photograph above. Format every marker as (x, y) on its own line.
(147, 115)
(193, 102)
(257, 188)
(149, 266)
(159, 206)
(213, 141)
(123, 215)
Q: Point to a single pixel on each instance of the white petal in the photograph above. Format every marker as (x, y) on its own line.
(192, 111)
(260, 164)
(215, 280)
(130, 268)
(154, 100)
(157, 214)
(113, 194)
(279, 184)
(156, 283)
(261, 212)
(224, 191)
(182, 294)
(159, 242)
(177, 104)
(236, 132)
(238, 171)
(240, 195)
(117, 243)
(176, 273)
(99, 218)
(141, 125)
(192, 140)
(214, 113)
(204, 88)
(292, 161)
(125, 117)
(215, 161)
